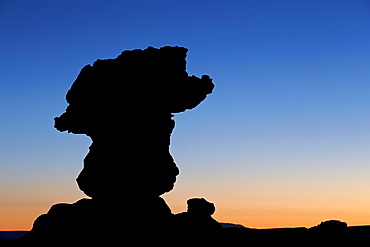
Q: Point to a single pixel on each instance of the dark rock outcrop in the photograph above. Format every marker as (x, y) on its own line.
(197, 222)
(331, 225)
(94, 221)
(125, 105)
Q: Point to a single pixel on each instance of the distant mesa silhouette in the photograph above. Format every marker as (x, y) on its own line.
(327, 233)
(125, 105)
(331, 225)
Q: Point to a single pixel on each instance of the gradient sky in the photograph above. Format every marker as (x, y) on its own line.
(283, 141)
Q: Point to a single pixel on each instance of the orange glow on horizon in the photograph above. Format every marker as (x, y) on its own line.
(291, 218)
(262, 207)
(21, 218)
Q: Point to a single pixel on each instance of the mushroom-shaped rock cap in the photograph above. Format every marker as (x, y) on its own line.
(136, 83)
(200, 206)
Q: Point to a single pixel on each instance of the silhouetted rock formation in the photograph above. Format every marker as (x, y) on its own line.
(125, 105)
(96, 221)
(198, 217)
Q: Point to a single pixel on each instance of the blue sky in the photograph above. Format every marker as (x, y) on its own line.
(288, 120)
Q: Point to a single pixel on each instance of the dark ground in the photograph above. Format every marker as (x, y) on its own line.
(349, 236)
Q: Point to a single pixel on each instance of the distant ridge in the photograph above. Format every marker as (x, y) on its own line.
(11, 235)
(231, 225)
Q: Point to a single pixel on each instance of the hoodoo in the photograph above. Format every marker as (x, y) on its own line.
(126, 106)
